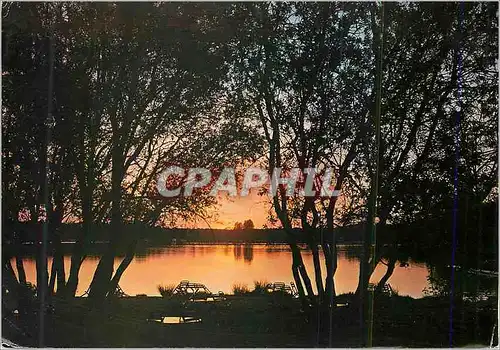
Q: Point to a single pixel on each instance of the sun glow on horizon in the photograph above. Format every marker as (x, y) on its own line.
(235, 209)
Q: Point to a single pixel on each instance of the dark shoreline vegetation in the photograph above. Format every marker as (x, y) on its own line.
(29, 233)
(394, 105)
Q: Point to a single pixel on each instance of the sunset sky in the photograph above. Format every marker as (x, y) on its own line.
(237, 209)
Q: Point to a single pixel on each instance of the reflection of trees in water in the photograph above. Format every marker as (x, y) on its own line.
(237, 252)
(350, 253)
(243, 251)
(143, 255)
(248, 253)
(467, 285)
(210, 248)
(273, 248)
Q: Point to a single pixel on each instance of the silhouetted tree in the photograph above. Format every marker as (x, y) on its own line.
(299, 72)
(248, 225)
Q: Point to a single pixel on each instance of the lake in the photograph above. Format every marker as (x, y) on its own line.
(221, 266)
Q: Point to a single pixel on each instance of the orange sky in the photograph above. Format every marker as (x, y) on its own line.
(237, 209)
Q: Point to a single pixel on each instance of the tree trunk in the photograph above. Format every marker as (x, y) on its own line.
(365, 272)
(330, 252)
(298, 283)
(76, 262)
(366, 263)
(317, 271)
(61, 273)
(299, 263)
(19, 261)
(388, 273)
(52, 279)
(123, 266)
(57, 271)
(58, 261)
(41, 268)
(8, 276)
(77, 256)
(102, 276)
(104, 272)
(301, 276)
(20, 270)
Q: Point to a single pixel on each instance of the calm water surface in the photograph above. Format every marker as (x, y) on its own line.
(221, 266)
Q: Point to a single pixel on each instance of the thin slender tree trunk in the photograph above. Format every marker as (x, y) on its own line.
(20, 270)
(299, 271)
(368, 266)
(19, 261)
(102, 276)
(330, 252)
(299, 265)
(388, 273)
(52, 279)
(365, 273)
(77, 256)
(58, 260)
(317, 271)
(129, 256)
(298, 283)
(57, 272)
(61, 273)
(8, 274)
(76, 261)
(41, 268)
(104, 272)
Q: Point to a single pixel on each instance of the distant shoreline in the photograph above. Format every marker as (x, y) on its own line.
(69, 233)
(198, 243)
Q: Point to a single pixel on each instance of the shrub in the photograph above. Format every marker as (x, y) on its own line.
(260, 287)
(166, 291)
(239, 289)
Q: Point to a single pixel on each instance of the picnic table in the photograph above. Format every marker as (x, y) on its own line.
(282, 287)
(194, 290)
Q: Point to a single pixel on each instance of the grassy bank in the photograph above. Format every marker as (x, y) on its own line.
(259, 321)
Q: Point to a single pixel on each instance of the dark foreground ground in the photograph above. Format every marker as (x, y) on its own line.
(255, 321)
